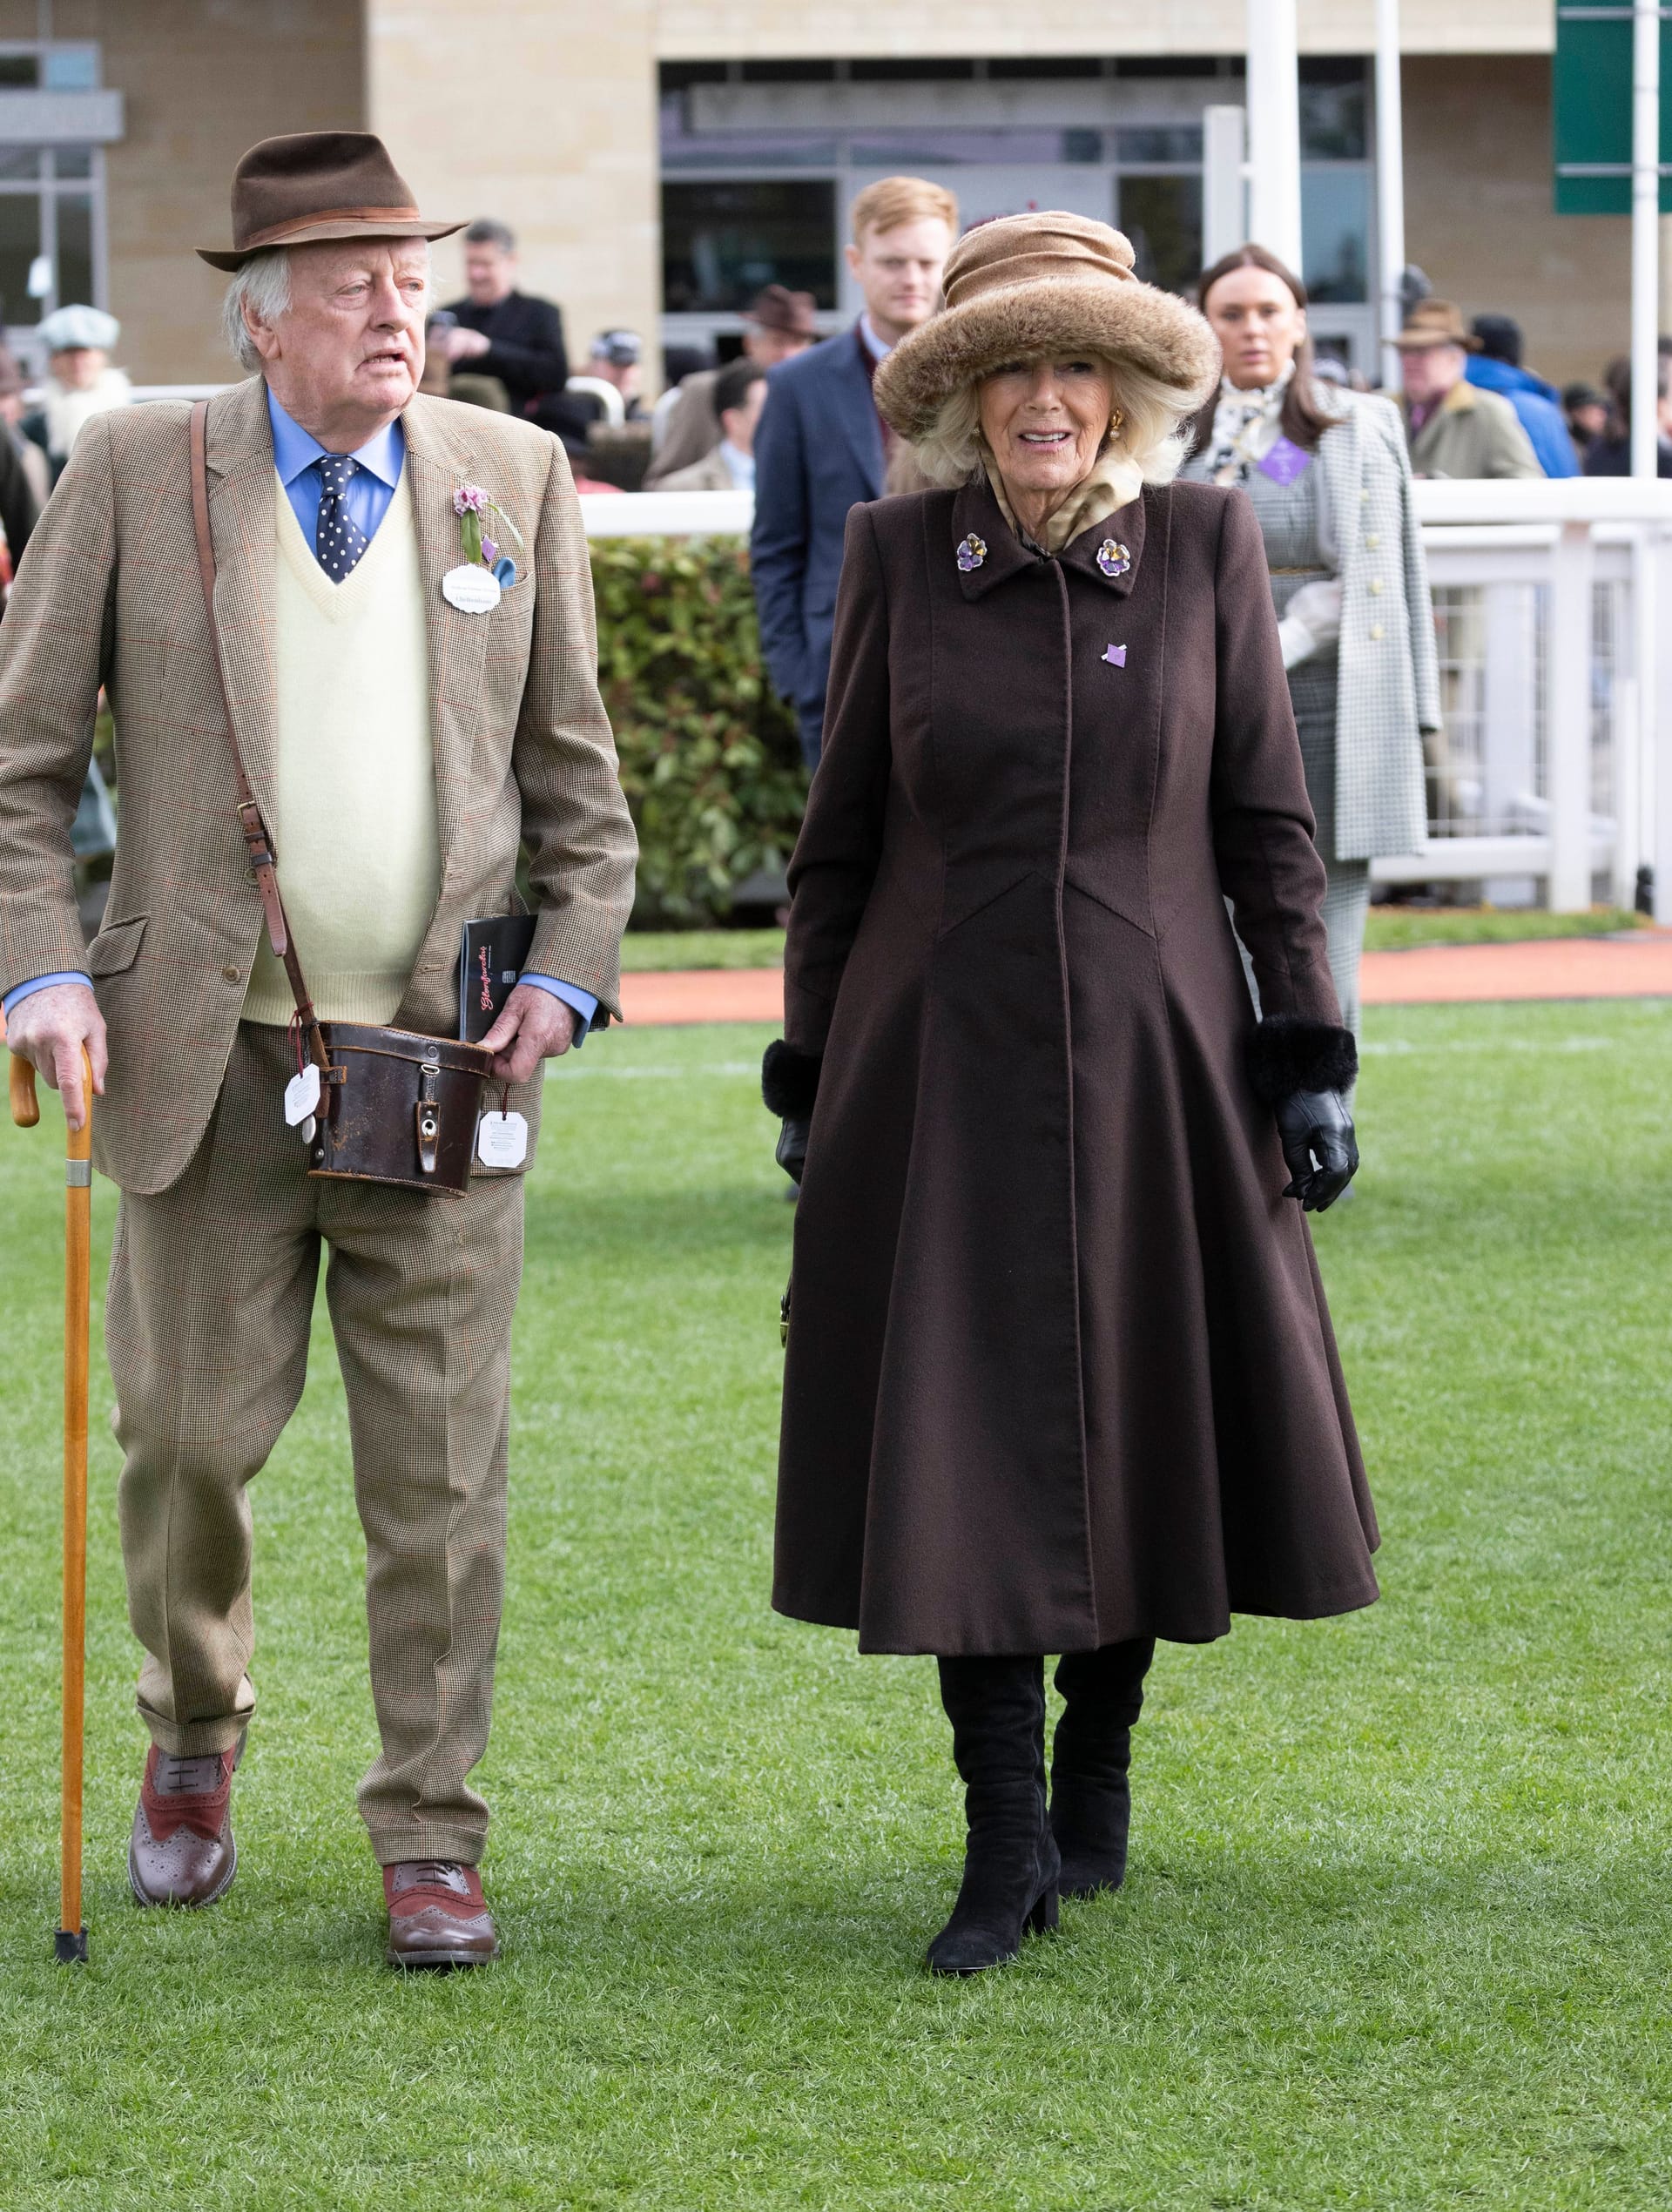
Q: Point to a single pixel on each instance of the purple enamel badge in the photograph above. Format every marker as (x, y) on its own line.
(1284, 462)
(1115, 656)
(971, 553)
(1113, 557)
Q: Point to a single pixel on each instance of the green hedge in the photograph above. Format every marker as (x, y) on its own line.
(710, 760)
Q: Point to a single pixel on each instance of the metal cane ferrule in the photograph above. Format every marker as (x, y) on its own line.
(77, 1175)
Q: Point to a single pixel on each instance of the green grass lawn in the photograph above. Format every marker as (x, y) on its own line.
(1394, 929)
(1389, 929)
(1398, 1931)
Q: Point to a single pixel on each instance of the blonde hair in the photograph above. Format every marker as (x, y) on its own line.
(1150, 443)
(893, 200)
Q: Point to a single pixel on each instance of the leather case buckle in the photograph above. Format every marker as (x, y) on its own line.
(428, 1114)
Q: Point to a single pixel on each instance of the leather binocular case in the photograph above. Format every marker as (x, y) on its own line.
(398, 1107)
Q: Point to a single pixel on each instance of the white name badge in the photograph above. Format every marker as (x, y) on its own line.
(503, 1140)
(302, 1095)
(474, 591)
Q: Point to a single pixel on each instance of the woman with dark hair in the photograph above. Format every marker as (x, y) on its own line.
(1330, 480)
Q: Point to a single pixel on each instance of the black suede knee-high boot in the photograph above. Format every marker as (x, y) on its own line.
(997, 1711)
(1091, 1804)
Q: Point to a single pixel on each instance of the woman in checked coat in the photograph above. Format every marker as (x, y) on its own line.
(1328, 478)
(1060, 1376)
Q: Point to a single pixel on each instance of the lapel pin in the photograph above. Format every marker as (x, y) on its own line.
(1115, 656)
(475, 587)
(1113, 558)
(972, 553)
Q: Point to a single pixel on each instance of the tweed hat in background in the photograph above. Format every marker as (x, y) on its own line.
(316, 185)
(1435, 322)
(1026, 287)
(778, 308)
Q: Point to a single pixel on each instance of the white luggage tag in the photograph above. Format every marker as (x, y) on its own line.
(503, 1140)
(302, 1096)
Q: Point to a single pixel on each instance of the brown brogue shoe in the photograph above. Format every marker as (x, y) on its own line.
(182, 1852)
(437, 1915)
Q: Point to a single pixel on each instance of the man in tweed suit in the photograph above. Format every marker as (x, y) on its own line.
(402, 749)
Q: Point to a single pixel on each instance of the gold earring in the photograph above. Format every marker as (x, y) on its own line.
(1115, 422)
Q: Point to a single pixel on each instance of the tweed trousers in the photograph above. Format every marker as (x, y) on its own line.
(211, 1293)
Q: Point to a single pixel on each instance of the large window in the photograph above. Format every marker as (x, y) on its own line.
(51, 196)
(1335, 202)
(49, 248)
(763, 160)
(722, 241)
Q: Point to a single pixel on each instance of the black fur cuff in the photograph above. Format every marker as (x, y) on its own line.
(1289, 1053)
(789, 1079)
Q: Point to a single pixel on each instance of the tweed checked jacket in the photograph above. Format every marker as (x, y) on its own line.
(110, 595)
(1390, 667)
(1389, 681)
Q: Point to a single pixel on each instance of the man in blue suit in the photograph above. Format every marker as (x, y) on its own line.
(821, 447)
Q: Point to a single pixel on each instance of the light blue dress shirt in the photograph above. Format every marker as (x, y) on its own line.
(370, 490)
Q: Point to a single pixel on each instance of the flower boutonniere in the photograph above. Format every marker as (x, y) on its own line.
(474, 588)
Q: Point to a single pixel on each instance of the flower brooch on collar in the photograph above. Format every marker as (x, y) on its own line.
(1113, 558)
(474, 588)
(972, 553)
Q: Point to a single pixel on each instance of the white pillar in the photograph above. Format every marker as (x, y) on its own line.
(1389, 182)
(1224, 182)
(1645, 232)
(1568, 719)
(1274, 129)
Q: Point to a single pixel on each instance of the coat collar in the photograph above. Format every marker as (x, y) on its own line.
(976, 513)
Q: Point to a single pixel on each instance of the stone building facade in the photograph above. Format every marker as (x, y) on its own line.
(661, 159)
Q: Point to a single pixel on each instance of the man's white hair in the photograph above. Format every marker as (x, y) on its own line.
(263, 286)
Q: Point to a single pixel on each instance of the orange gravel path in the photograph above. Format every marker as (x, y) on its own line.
(1563, 967)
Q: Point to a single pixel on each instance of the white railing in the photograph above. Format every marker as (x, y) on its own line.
(1554, 610)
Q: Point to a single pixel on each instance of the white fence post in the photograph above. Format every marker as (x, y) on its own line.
(1657, 711)
(1568, 720)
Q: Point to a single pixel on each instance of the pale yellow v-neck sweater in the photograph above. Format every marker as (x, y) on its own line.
(354, 814)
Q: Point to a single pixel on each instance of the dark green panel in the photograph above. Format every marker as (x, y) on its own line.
(1590, 105)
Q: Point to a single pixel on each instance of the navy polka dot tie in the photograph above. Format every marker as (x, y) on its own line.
(339, 541)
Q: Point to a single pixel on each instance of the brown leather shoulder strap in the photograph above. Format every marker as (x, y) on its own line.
(251, 826)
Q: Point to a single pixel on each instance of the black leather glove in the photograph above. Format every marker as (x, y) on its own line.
(789, 1084)
(792, 1153)
(1318, 1146)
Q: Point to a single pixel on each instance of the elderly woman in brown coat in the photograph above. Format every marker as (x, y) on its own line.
(1061, 1378)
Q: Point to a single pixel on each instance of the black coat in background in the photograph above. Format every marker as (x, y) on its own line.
(18, 509)
(1060, 1369)
(526, 353)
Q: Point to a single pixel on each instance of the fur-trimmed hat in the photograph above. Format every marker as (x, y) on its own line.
(1029, 287)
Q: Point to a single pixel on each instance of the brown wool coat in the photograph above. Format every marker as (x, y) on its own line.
(1060, 1369)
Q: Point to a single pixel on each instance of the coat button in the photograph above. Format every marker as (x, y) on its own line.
(1376, 587)
(231, 975)
(1363, 499)
(1372, 537)
(1376, 633)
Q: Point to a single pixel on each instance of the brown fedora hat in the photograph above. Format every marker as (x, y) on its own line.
(1434, 322)
(317, 185)
(789, 312)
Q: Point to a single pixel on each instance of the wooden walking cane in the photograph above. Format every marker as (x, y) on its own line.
(70, 1942)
